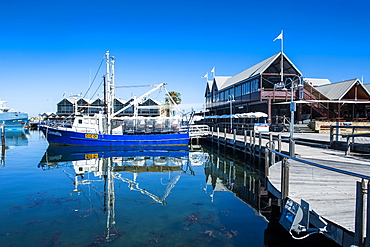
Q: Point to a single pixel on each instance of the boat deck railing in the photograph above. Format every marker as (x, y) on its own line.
(197, 130)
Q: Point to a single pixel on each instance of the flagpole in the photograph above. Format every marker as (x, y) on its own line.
(213, 73)
(205, 76)
(282, 62)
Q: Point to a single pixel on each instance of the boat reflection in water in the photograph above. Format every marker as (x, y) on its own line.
(152, 198)
(123, 165)
(12, 138)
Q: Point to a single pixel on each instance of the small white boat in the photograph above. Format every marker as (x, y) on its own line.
(12, 120)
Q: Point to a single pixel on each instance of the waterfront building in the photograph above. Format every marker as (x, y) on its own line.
(266, 87)
(71, 106)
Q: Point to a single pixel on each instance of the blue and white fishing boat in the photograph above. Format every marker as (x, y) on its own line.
(12, 120)
(108, 129)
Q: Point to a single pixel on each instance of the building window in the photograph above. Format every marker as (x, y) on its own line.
(238, 91)
(254, 86)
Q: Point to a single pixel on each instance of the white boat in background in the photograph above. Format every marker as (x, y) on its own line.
(12, 120)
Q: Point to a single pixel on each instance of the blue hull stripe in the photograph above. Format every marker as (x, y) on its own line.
(63, 137)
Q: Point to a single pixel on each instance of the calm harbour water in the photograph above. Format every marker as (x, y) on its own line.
(74, 197)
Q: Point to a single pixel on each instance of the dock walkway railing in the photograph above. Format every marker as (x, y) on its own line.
(353, 138)
(362, 218)
(197, 130)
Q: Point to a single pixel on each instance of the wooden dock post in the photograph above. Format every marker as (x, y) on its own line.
(225, 143)
(245, 141)
(284, 179)
(254, 146)
(259, 144)
(279, 143)
(2, 129)
(331, 135)
(234, 141)
(267, 162)
(348, 148)
(360, 213)
(218, 137)
(367, 241)
(272, 158)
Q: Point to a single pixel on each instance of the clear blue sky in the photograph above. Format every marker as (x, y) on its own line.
(52, 47)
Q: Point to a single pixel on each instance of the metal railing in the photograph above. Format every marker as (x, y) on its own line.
(350, 138)
(362, 188)
(196, 130)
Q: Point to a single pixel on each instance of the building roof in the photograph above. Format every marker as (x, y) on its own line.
(48, 114)
(336, 91)
(88, 101)
(121, 100)
(367, 86)
(149, 100)
(258, 69)
(208, 88)
(219, 81)
(72, 101)
(315, 82)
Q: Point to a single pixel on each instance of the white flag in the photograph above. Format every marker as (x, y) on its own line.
(213, 70)
(205, 76)
(279, 37)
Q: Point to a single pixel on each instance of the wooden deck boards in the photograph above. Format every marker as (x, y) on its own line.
(330, 194)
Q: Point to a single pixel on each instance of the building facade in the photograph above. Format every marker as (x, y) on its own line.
(266, 87)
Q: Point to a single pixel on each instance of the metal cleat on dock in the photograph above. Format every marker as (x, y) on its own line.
(296, 218)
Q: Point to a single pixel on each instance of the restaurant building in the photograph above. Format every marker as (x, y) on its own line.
(271, 85)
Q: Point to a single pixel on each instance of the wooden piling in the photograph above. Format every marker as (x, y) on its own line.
(284, 179)
(267, 165)
(218, 136)
(360, 213)
(367, 241)
(279, 143)
(2, 137)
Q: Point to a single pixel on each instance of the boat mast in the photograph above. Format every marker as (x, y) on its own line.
(110, 84)
(105, 95)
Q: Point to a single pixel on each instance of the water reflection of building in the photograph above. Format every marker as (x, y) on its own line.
(246, 182)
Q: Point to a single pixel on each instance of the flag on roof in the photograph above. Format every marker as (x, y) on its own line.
(280, 36)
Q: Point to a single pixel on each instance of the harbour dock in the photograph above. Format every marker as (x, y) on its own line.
(331, 195)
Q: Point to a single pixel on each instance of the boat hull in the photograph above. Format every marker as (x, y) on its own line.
(13, 120)
(71, 138)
